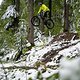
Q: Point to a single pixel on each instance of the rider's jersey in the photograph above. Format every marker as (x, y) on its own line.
(43, 8)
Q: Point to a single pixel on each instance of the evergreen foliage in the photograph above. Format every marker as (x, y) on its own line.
(18, 40)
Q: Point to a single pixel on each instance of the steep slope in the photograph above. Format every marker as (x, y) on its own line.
(45, 61)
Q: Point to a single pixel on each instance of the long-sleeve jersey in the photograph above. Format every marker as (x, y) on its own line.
(43, 8)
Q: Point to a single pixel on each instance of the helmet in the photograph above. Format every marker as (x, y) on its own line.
(40, 3)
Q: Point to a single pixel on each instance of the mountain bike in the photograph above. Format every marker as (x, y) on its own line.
(35, 20)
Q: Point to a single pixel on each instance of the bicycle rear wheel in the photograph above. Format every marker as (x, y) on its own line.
(49, 24)
(35, 21)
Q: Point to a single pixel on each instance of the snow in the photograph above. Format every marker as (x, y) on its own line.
(10, 12)
(49, 72)
(51, 64)
(69, 68)
(10, 55)
(1, 1)
(25, 69)
(36, 55)
(71, 50)
(41, 39)
(32, 73)
(16, 75)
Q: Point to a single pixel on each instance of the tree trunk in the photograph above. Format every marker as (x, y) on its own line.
(66, 16)
(42, 26)
(50, 7)
(16, 20)
(30, 15)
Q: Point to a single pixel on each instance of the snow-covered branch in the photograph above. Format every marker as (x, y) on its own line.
(10, 12)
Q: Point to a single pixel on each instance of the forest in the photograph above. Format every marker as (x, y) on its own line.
(39, 39)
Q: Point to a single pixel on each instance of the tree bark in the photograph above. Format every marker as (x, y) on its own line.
(50, 7)
(30, 15)
(42, 26)
(66, 16)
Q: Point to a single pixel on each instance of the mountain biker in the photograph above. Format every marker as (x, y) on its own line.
(43, 8)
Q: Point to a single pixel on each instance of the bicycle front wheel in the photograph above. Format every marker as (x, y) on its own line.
(49, 24)
(35, 21)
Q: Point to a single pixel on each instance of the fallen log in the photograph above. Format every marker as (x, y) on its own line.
(51, 54)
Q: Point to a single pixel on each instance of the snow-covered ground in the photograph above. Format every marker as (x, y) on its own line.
(24, 70)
